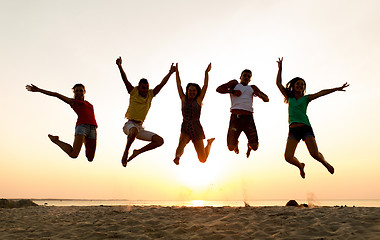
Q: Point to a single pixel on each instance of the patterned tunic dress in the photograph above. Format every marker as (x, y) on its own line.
(191, 112)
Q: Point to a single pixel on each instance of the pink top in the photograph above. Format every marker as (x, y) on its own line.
(85, 112)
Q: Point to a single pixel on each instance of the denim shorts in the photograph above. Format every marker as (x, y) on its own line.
(301, 132)
(87, 130)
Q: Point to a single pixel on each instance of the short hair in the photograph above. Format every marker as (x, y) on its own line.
(246, 71)
(196, 86)
(143, 81)
(79, 85)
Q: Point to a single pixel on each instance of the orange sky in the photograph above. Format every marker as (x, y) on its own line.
(55, 44)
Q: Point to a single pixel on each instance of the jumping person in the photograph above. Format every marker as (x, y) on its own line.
(241, 119)
(85, 129)
(191, 128)
(299, 124)
(139, 104)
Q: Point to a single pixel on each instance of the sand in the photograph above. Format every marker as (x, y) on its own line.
(154, 222)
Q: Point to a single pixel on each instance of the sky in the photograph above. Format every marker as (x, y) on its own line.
(56, 44)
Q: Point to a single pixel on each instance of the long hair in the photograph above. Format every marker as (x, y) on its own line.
(289, 88)
(196, 86)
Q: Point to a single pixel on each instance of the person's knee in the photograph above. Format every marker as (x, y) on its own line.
(315, 155)
(158, 140)
(288, 157)
(74, 155)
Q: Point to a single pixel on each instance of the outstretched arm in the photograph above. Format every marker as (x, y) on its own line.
(158, 88)
(33, 88)
(279, 78)
(205, 84)
(260, 94)
(128, 85)
(229, 88)
(179, 86)
(327, 91)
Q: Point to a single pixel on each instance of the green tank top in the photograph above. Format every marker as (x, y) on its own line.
(297, 110)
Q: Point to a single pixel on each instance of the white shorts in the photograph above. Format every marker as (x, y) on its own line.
(142, 134)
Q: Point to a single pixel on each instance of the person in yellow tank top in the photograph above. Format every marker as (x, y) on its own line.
(139, 104)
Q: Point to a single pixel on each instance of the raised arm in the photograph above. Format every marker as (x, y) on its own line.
(279, 78)
(128, 85)
(205, 84)
(158, 88)
(229, 88)
(33, 88)
(327, 91)
(257, 92)
(179, 86)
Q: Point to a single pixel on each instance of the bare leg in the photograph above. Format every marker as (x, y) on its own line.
(90, 145)
(156, 142)
(313, 150)
(131, 138)
(184, 139)
(201, 150)
(290, 149)
(72, 151)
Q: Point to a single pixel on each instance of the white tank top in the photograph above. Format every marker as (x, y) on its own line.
(245, 100)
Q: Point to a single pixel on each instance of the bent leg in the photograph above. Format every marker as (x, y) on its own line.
(72, 151)
(131, 138)
(90, 145)
(201, 150)
(290, 149)
(313, 150)
(184, 139)
(156, 142)
(232, 139)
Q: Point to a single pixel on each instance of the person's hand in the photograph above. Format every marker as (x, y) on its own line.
(32, 88)
(173, 68)
(208, 68)
(279, 62)
(237, 93)
(118, 61)
(342, 88)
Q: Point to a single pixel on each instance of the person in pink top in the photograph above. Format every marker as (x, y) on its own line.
(85, 129)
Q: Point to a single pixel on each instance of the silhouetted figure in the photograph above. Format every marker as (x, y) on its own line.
(191, 128)
(85, 129)
(299, 125)
(241, 119)
(139, 103)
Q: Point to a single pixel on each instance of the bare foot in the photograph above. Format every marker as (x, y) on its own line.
(134, 154)
(124, 162)
(54, 139)
(329, 168)
(176, 161)
(209, 141)
(302, 172)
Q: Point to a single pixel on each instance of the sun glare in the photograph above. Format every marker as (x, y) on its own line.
(197, 203)
(195, 175)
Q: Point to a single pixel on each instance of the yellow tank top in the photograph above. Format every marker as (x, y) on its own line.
(138, 105)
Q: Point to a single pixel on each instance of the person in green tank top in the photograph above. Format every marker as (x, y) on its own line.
(299, 124)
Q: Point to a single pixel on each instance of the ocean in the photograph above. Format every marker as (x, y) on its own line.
(200, 203)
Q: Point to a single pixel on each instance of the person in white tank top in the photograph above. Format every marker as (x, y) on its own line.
(241, 119)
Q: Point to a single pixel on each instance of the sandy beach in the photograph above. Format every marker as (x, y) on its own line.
(154, 222)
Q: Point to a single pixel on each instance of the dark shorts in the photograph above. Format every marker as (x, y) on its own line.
(299, 133)
(242, 123)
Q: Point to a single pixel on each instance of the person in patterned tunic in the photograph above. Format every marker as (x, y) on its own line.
(191, 128)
